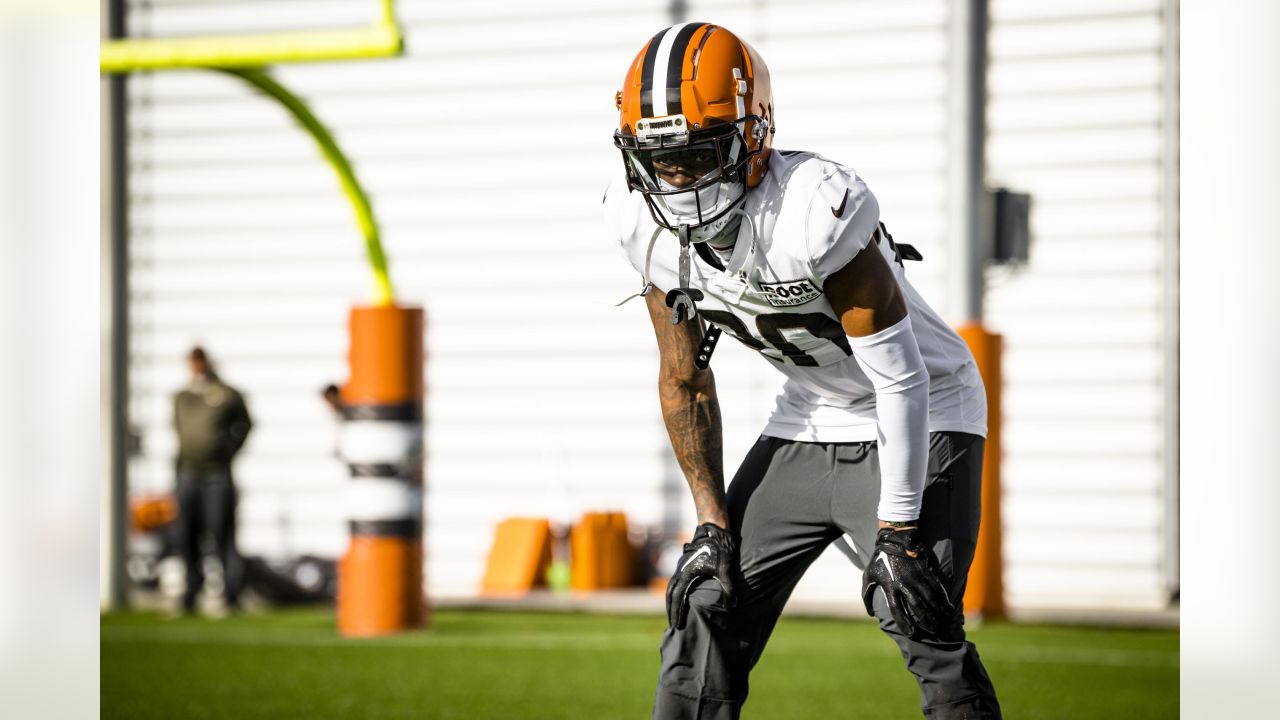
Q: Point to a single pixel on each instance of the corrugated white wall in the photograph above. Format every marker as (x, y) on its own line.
(1077, 117)
(486, 149)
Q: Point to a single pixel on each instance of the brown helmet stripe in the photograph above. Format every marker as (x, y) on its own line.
(646, 76)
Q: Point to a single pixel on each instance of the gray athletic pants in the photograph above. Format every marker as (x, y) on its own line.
(788, 501)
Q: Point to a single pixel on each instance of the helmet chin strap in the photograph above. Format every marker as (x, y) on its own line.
(685, 240)
(681, 300)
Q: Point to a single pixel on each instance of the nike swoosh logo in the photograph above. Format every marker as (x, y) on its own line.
(885, 560)
(838, 211)
(704, 550)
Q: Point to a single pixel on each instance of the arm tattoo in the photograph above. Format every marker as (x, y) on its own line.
(691, 411)
(694, 428)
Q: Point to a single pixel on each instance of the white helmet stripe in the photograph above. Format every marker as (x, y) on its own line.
(662, 61)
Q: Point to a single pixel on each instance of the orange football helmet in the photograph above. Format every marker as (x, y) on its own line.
(695, 125)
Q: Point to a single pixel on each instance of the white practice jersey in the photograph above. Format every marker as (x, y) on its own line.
(809, 217)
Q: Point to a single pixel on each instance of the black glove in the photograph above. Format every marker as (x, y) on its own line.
(908, 574)
(713, 553)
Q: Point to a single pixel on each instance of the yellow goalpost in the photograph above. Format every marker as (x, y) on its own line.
(246, 57)
(382, 39)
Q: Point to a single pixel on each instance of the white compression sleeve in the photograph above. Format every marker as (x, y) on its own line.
(891, 359)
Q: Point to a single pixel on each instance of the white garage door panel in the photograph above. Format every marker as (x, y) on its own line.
(274, 181)
(1074, 586)
(1085, 146)
(1063, 400)
(364, 112)
(1073, 37)
(1044, 511)
(331, 210)
(1077, 110)
(1067, 468)
(197, 18)
(1063, 435)
(1116, 549)
(1012, 11)
(848, 19)
(867, 52)
(1049, 77)
(1089, 256)
(1081, 365)
(1052, 293)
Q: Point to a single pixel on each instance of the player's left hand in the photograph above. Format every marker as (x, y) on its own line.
(906, 572)
(712, 554)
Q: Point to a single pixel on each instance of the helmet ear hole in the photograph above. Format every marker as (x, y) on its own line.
(759, 130)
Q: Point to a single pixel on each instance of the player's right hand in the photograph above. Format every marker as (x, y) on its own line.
(713, 553)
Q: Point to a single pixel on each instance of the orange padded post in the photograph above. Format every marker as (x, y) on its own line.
(380, 579)
(984, 595)
(520, 556)
(380, 586)
(385, 356)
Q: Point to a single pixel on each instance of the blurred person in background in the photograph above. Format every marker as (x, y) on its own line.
(878, 433)
(212, 423)
(332, 396)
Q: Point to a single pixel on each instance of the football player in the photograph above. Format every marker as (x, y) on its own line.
(877, 435)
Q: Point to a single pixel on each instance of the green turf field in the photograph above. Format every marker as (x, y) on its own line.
(473, 665)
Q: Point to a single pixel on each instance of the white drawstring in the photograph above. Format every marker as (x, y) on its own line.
(742, 252)
(644, 276)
